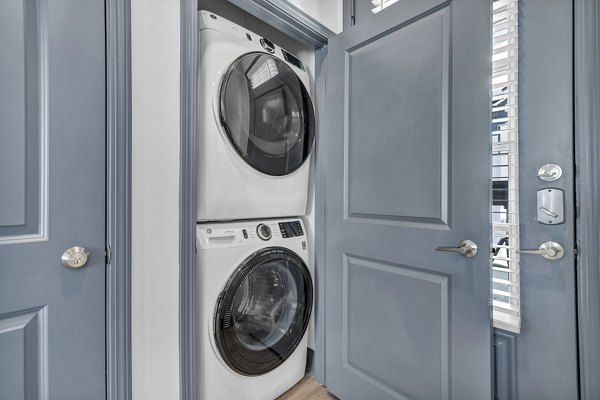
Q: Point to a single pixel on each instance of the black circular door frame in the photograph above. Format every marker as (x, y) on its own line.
(279, 99)
(257, 360)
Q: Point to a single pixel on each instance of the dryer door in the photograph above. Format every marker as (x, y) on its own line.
(267, 113)
(263, 312)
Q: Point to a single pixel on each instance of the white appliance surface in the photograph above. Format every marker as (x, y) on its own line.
(228, 187)
(221, 249)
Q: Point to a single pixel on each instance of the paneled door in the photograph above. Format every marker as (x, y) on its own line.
(407, 177)
(52, 198)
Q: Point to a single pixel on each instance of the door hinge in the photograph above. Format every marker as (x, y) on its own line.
(352, 13)
(576, 250)
(107, 255)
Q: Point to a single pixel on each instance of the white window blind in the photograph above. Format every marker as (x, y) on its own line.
(381, 4)
(505, 166)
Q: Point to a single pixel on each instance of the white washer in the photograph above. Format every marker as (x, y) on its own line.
(255, 125)
(254, 300)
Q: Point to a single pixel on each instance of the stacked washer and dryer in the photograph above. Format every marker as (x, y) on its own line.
(254, 288)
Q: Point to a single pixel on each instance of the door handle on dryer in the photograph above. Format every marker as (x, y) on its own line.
(466, 248)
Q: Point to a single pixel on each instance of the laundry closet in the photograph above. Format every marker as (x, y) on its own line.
(255, 207)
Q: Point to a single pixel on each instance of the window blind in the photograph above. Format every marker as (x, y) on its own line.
(505, 166)
(381, 4)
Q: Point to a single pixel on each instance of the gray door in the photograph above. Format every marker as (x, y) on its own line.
(407, 171)
(546, 349)
(52, 188)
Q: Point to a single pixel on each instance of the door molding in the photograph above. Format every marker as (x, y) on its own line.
(118, 199)
(587, 152)
(320, 196)
(187, 199)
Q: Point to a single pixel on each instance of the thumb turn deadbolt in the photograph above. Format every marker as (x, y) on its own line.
(76, 257)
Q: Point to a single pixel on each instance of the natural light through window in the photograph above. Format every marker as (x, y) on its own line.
(379, 5)
(505, 166)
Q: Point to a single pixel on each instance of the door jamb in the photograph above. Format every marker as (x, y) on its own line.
(118, 199)
(320, 196)
(187, 200)
(587, 153)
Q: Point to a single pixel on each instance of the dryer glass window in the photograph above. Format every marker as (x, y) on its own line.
(267, 113)
(263, 312)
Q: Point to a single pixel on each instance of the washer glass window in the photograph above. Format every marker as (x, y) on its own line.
(263, 311)
(267, 113)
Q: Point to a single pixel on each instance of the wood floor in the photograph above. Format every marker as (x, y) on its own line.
(307, 389)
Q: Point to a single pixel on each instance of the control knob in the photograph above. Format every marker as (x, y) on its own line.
(267, 45)
(263, 232)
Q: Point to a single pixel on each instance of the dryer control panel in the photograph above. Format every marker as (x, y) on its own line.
(291, 229)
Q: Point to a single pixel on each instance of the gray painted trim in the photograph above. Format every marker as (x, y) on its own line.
(348, 13)
(505, 365)
(118, 199)
(587, 151)
(320, 191)
(288, 19)
(187, 200)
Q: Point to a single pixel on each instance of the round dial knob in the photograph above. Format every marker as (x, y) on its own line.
(263, 232)
(267, 45)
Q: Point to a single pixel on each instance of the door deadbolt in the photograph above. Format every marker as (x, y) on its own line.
(549, 172)
(76, 257)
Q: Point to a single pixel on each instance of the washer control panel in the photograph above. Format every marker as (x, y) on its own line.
(291, 229)
(234, 234)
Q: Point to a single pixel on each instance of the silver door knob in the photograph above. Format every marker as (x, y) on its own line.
(549, 250)
(76, 257)
(466, 247)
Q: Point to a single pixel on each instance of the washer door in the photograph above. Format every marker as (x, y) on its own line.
(267, 113)
(263, 312)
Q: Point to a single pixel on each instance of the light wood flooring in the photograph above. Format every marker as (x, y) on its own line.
(307, 389)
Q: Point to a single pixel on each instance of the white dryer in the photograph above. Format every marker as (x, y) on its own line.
(256, 125)
(254, 301)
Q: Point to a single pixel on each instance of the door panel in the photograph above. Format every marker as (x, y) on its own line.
(22, 201)
(423, 119)
(417, 355)
(407, 170)
(52, 189)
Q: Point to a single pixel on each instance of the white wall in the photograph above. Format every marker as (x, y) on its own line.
(155, 199)
(327, 12)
